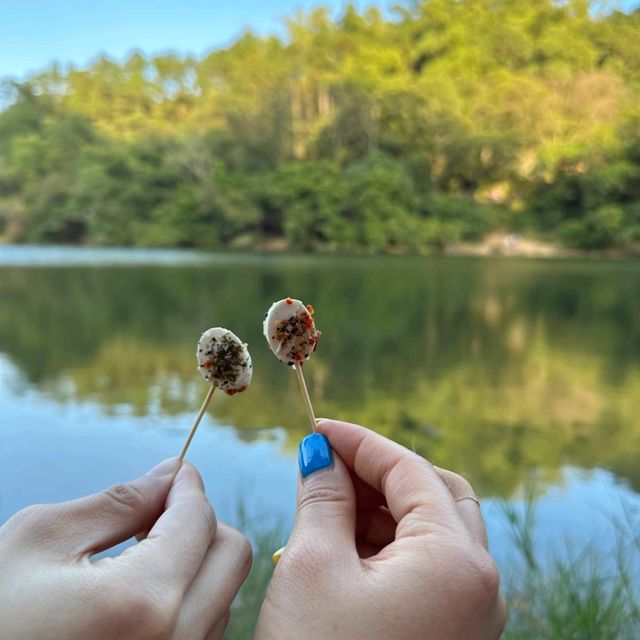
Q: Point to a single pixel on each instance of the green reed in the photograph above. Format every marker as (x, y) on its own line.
(573, 598)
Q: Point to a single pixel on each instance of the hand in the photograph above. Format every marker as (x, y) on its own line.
(177, 582)
(380, 550)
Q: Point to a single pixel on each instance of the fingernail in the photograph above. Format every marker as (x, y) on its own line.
(164, 468)
(314, 454)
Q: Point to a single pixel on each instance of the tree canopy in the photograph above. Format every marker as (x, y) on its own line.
(400, 130)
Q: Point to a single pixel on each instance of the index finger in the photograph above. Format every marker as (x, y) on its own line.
(417, 498)
(177, 543)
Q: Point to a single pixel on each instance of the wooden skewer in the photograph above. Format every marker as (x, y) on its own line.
(203, 408)
(305, 395)
(312, 419)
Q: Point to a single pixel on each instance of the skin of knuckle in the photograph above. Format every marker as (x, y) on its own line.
(485, 578)
(460, 482)
(320, 495)
(238, 545)
(124, 497)
(139, 613)
(244, 551)
(29, 517)
(206, 517)
(416, 460)
(33, 521)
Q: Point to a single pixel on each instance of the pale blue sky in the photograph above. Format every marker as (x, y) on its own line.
(35, 32)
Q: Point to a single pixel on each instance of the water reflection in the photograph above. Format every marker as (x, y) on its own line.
(490, 367)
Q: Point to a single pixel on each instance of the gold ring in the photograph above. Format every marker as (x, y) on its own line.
(467, 498)
(459, 487)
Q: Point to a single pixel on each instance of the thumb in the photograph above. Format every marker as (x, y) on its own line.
(326, 510)
(101, 520)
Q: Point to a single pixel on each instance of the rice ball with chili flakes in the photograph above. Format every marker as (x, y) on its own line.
(224, 360)
(290, 330)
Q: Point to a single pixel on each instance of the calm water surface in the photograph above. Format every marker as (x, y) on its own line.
(510, 372)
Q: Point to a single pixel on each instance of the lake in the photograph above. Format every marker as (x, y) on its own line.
(521, 375)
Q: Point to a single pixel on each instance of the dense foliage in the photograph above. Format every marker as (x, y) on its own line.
(399, 131)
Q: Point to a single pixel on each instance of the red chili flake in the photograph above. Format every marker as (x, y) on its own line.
(289, 301)
(232, 392)
(310, 309)
(308, 320)
(208, 364)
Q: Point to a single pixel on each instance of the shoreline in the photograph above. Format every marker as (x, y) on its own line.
(500, 244)
(495, 245)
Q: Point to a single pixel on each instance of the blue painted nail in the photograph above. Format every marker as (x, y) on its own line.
(314, 454)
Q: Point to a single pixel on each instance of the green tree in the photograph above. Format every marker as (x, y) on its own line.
(361, 131)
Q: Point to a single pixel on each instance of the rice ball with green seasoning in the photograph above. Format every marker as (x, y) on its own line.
(224, 360)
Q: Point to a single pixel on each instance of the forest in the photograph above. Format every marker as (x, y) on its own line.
(383, 130)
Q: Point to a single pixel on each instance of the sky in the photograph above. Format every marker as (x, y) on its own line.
(33, 33)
